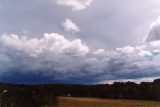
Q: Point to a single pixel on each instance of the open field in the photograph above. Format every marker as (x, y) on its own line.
(94, 102)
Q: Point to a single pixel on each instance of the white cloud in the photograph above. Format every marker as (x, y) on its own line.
(137, 80)
(99, 52)
(144, 53)
(69, 26)
(155, 44)
(76, 5)
(54, 43)
(126, 49)
(154, 33)
(137, 50)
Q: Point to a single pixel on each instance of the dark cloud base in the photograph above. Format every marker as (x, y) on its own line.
(17, 77)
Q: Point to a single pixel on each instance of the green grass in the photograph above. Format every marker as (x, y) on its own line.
(93, 102)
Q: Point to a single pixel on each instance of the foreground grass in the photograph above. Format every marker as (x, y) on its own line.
(93, 102)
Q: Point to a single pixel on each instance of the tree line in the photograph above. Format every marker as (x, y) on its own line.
(41, 95)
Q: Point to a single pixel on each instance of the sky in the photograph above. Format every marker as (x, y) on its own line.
(79, 41)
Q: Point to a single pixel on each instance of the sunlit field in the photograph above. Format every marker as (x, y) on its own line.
(94, 102)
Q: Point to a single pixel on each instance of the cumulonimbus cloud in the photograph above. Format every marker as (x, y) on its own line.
(70, 26)
(76, 5)
(55, 57)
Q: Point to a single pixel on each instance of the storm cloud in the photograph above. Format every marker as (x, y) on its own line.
(79, 41)
(58, 59)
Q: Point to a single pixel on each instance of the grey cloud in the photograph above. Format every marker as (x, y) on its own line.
(105, 24)
(154, 33)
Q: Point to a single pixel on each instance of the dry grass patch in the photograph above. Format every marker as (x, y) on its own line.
(95, 102)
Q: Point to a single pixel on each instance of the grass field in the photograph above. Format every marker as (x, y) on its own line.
(93, 102)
